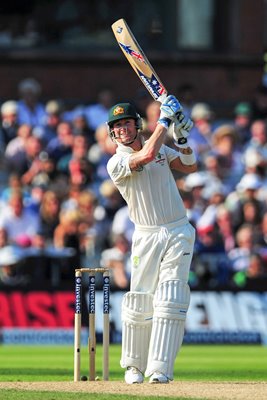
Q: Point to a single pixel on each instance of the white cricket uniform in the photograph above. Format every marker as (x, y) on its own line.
(163, 240)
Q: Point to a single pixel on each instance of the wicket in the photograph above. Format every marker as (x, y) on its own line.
(91, 315)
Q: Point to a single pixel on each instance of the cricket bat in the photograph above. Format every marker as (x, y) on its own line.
(138, 60)
(140, 64)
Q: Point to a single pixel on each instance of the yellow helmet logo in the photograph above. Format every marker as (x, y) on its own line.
(118, 110)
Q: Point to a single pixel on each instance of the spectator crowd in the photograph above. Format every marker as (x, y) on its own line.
(59, 210)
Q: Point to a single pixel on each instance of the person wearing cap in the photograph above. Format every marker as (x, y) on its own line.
(48, 131)
(242, 121)
(11, 272)
(9, 122)
(200, 137)
(154, 309)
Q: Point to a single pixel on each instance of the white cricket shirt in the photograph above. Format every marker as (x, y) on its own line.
(151, 193)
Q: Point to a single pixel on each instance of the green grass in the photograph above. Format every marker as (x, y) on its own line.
(195, 363)
(52, 363)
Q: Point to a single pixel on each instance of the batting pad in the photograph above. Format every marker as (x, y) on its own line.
(171, 303)
(137, 310)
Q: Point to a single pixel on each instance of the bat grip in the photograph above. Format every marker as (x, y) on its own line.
(176, 121)
(162, 97)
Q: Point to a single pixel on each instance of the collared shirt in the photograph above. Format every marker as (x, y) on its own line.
(151, 192)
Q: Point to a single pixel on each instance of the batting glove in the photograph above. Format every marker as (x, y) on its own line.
(180, 130)
(169, 110)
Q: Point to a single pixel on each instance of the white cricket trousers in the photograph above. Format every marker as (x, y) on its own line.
(161, 254)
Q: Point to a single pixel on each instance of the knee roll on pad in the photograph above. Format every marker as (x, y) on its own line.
(172, 300)
(137, 308)
(137, 313)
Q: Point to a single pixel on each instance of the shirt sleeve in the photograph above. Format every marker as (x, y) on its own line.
(171, 154)
(118, 167)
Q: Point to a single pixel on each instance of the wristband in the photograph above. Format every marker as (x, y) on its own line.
(166, 122)
(181, 142)
(188, 159)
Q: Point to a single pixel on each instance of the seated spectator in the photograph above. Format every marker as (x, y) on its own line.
(252, 213)
(215, 196)
(47, 132)
(11, 268)
(100, 152)
(14, 183)
(195, 183)
(242, 121)
(47, 175)
(208, 240)
(224, 141)
(257, 267)
(80, 126)
(258, 141)
(254, 162)
(193, 214)
(21, 224)
(71, 197)
(67, 235)
(201, 133)
(9, 123)
(213, 172)
(49, 214)
(256, 271)
(15, 150)
(76, 164)
(118, 260)
(31, 165)
(225, 227)
(241, 254)
(31, 110)
(33, 200)
(211, 267)
(247, 189)
(61, 145)
(93, 227)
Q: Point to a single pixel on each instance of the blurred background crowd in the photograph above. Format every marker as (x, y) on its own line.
(59, 210)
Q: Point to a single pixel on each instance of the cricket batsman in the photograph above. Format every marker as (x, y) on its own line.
(154, 310)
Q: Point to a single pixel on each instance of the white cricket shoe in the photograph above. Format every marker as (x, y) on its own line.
(158, 377)
(133, 375)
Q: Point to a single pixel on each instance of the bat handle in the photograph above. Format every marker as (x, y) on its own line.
(162, 97)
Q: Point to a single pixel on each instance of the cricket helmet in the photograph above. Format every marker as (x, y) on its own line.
(122, 111)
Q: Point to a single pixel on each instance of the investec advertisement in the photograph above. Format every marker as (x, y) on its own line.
(47, 317)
